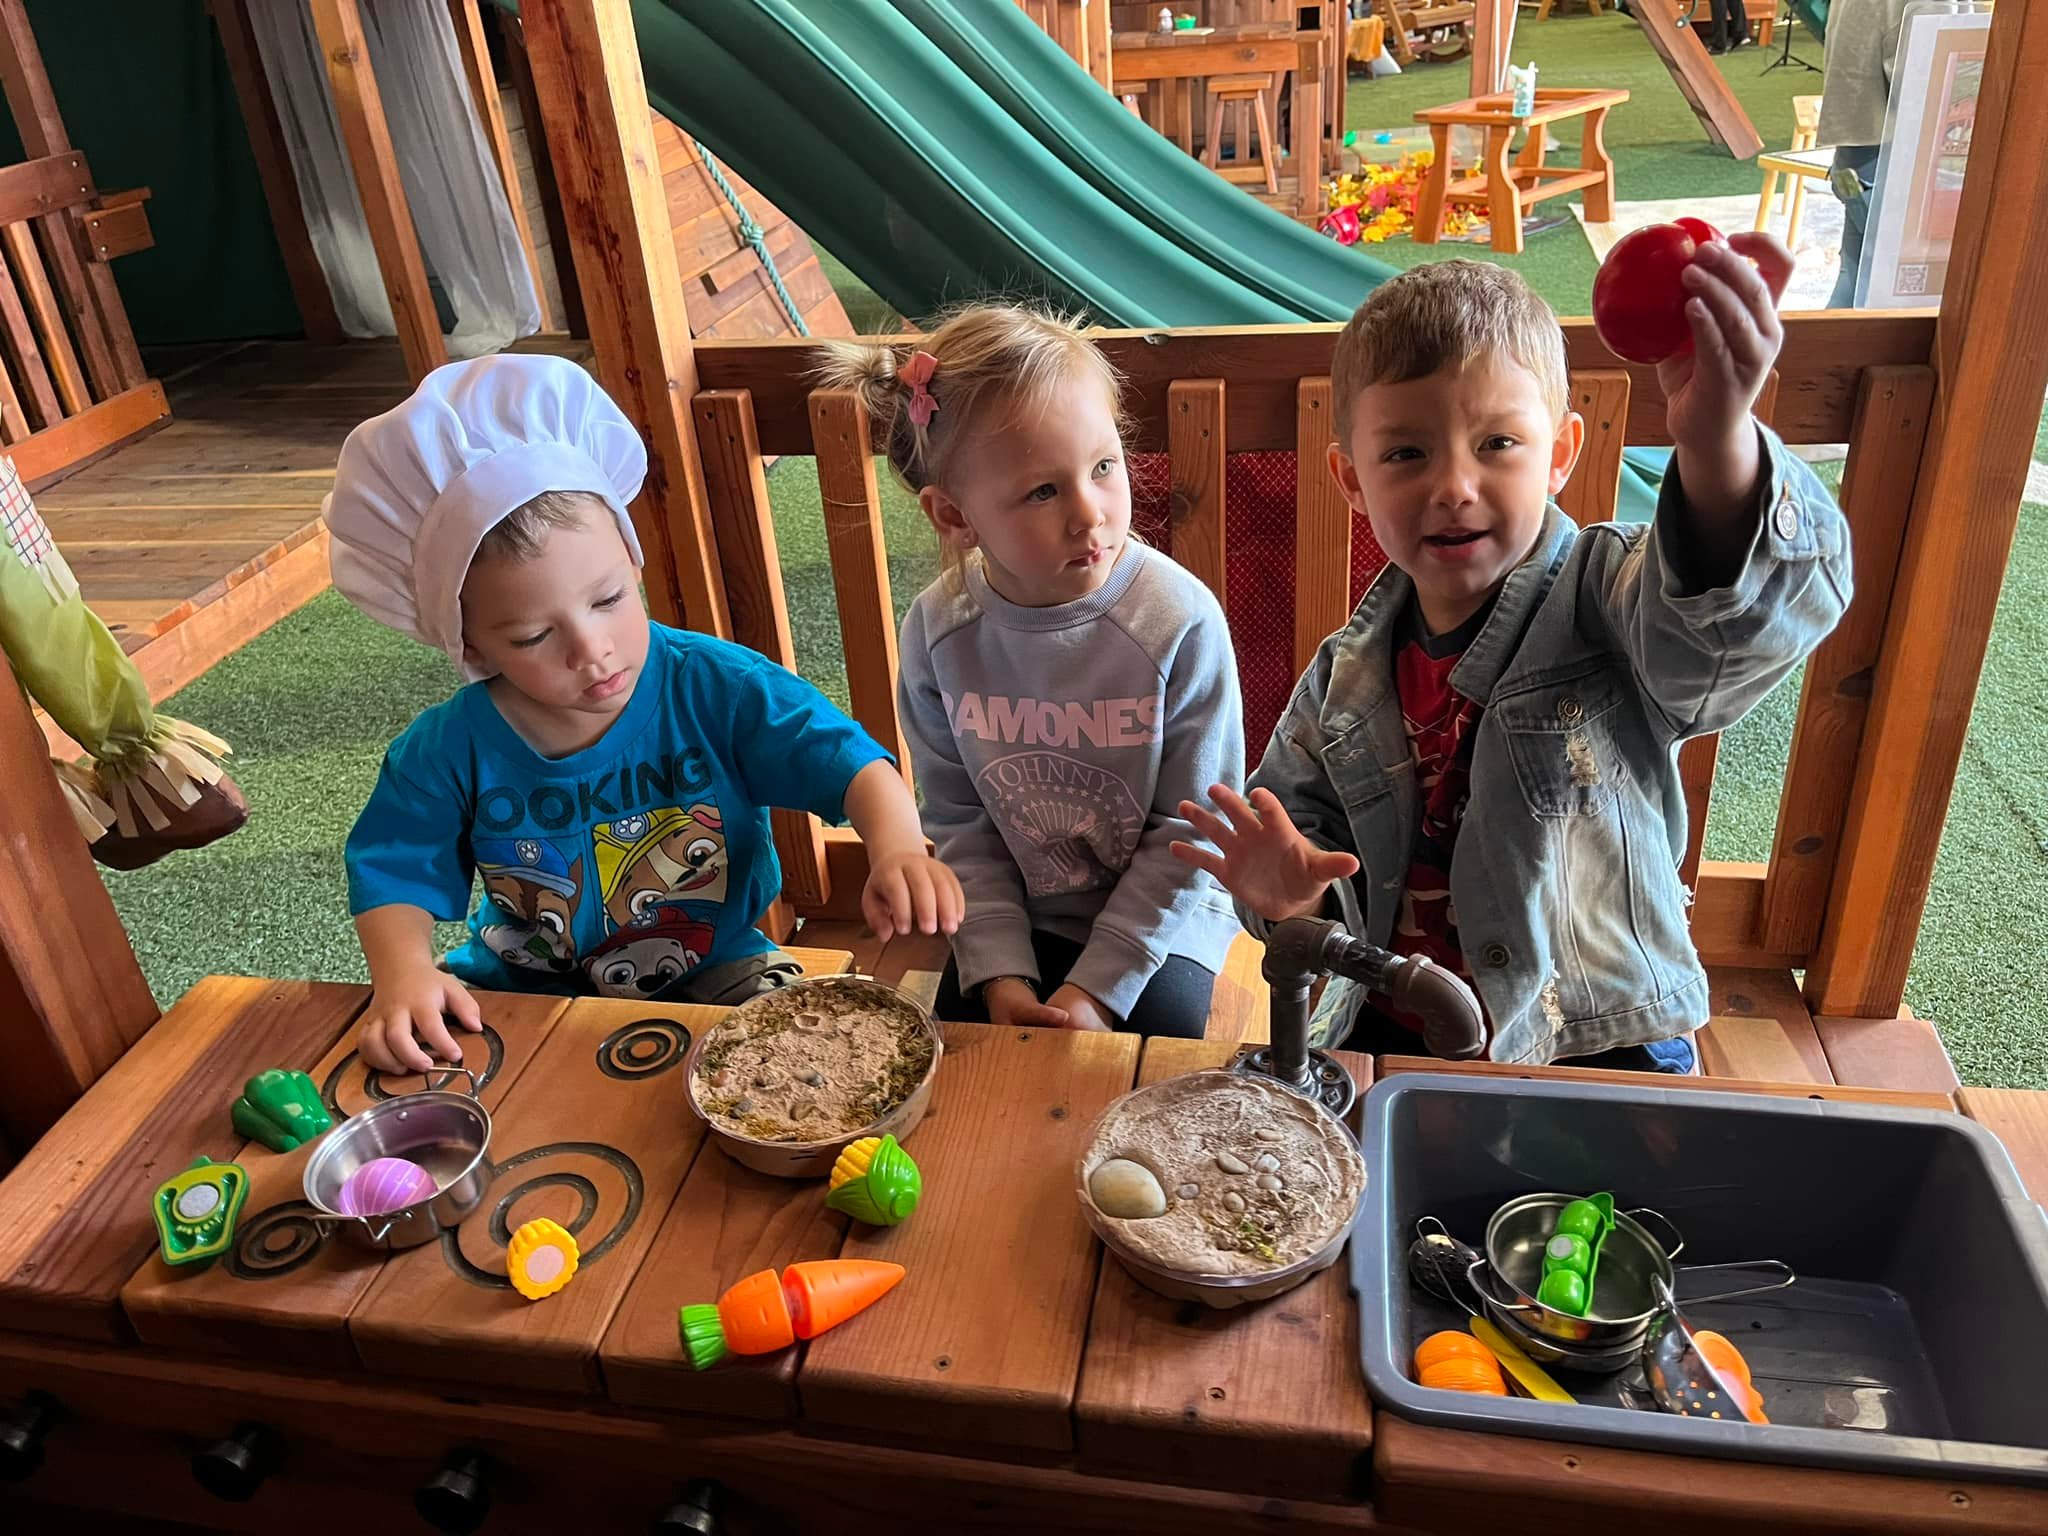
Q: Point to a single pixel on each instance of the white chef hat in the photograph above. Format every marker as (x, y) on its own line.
(417, 488)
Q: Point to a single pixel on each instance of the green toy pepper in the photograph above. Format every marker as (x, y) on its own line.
(281, 1109)
(1571, 1256)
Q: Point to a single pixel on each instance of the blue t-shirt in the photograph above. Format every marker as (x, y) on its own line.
(619, 868)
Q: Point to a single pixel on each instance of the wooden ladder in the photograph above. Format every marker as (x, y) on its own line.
(1692, 70)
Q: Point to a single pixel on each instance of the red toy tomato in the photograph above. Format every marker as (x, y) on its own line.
(1638, 300)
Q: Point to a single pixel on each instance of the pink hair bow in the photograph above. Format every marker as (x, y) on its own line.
(917, 373)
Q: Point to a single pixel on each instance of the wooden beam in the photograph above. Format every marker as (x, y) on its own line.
(1194, 433)
(1322, 527)
(593, 98)
(475, 49)
(87, 284)
(72, 997)
(94, 432)
(1820, 372)
(359, 107)
(274, 169)
(1877, 490)
(1991, 361)
(572, 318)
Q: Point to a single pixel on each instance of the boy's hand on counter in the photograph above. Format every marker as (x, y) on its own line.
(411, 1011)
(1262, 859)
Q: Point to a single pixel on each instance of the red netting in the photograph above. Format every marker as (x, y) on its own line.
(1258, 495)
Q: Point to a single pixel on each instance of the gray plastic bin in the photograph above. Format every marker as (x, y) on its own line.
(1916, 1338)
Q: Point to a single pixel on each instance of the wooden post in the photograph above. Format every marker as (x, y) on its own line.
(41, 125)
(483, 89)
(516, 65)
(274, 169)
(1991, 361)
(360, 108)
(586, 71)
(72, 998)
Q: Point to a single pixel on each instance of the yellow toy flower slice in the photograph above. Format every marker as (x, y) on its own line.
(541, 1258)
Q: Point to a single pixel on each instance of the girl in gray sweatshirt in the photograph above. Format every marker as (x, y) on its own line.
(1063, 687)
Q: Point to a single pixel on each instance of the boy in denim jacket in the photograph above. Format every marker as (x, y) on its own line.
(1482, 766)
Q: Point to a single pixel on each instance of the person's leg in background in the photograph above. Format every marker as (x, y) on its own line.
(1855, 174)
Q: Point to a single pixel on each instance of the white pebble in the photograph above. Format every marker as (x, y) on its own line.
(1230, 1164)
(1268, 1163)
(1188, 1191)
(1126, 1191)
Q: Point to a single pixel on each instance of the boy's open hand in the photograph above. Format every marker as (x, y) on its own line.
(911, 892)
(411, 1012)
(1710, 391)
(1263, 859)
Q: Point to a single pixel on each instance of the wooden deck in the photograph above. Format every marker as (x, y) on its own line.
(195, 540)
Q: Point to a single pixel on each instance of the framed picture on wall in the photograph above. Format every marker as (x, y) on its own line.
(1919, 185)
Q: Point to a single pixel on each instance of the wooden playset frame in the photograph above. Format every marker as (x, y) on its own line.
(1940, 412)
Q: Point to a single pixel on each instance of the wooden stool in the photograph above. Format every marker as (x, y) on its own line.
(1805, 122)
(1242, 91)
(1798, 167)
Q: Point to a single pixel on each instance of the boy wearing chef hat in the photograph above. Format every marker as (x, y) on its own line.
(486, 516)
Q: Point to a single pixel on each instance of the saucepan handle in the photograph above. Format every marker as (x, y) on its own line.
(1780, 1273)
(1676, 1244)
(476, 1086)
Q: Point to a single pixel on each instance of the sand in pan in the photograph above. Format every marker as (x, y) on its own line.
(1253, 1177)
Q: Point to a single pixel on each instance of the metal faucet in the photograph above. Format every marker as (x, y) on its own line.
(1300, 950)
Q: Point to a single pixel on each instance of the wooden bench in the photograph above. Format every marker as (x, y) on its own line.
(1428, 24)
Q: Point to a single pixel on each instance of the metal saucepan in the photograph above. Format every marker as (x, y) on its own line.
(1633, 1262)
(448, 1134)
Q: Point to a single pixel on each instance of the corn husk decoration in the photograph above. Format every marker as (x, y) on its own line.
(875, 1181)
(152, 783)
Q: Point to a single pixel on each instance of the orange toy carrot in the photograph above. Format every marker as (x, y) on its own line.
(762, 1313)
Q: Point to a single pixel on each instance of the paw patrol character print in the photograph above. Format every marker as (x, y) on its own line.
(641, 960)
(660, 857)
(536, 886)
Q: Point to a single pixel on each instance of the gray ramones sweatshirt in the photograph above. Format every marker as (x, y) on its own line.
(1052, 749)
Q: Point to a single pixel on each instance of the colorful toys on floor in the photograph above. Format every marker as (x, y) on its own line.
(281, 1109)
(196, 1211)
(764, 1312)
(875, 1181)
(541, 1258)
(383, 1185)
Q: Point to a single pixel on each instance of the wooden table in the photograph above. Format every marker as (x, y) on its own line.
(1177, 62)
(1505, 189)
(1014, 1382)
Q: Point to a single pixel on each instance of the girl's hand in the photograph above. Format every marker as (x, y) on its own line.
(1013, 1002)
(1082, 1010)
(1264, 861)
(911, 892)
(1711, 390)
(411, 1010)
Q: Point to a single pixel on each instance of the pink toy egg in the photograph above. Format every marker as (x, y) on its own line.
(383, 1185)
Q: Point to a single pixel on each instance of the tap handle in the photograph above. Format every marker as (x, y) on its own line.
(1453, 1023)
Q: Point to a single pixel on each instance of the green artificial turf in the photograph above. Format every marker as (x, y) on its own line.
(311, 704)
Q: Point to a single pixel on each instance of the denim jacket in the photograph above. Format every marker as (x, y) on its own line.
(1597, 661)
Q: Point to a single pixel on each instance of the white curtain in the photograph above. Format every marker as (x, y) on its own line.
(464, 223)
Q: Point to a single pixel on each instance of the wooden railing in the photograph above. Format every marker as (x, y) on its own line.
(72, 385)
(1201, 395)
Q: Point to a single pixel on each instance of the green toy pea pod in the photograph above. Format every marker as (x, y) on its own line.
(1571, 1256)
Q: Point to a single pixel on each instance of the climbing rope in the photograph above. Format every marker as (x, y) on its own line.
(752, 233)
